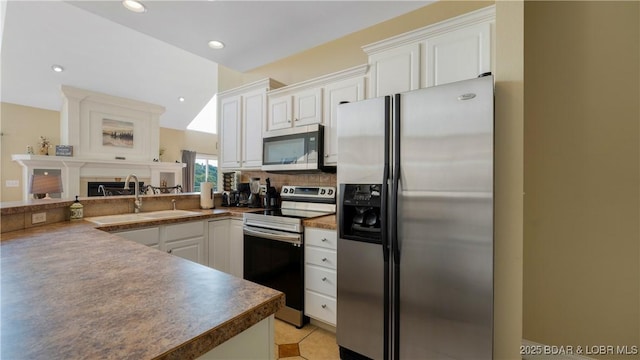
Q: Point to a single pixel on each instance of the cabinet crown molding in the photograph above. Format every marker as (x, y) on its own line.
(267, 84)
(487, 14)
(359, 70)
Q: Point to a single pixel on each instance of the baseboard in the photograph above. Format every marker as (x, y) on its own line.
(323, 325)
(534, 351)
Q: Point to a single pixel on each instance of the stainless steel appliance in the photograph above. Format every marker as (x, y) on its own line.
(415, 219)
(273, 239)
(298, 149)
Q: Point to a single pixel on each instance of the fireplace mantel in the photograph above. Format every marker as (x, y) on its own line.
(73, 169)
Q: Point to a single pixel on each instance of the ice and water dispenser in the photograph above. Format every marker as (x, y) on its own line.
(361, 212)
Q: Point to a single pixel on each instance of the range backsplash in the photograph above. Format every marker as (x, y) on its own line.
(278, 180)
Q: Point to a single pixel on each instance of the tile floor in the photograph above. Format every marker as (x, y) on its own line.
(310, 342)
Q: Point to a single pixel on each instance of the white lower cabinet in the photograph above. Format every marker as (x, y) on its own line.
(215, 243)
(190, 249)
(226, 246)
(219, 245)
(236, 248)
(186, 240)
(257, 342)
(320, 274)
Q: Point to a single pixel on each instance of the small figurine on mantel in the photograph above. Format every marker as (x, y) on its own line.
(45, 144)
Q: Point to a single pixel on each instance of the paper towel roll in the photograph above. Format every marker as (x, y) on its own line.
(206, 195)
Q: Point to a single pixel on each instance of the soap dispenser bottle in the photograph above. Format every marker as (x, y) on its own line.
(76, 210)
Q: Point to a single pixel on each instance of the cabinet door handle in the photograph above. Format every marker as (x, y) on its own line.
(289, 120)
(324, 279)
(324, 306)
(324, 239)
(326, 155)
(170, 251)
(324, 259)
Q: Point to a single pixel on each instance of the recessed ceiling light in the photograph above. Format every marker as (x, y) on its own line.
(134, 6)
(181, 99)
(57, 68)
(215, 44)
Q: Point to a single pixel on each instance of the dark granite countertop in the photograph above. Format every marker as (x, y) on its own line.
(72, 291)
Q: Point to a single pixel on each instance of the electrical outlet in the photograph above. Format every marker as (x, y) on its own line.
(38, 218)
(12, 183)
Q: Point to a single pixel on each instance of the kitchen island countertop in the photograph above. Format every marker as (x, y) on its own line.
(72, 291)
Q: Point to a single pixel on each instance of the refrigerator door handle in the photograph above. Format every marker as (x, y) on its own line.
(395, 250)
(396, 180)
(384, 215)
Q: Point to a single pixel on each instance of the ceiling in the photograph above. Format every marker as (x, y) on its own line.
(162, 54)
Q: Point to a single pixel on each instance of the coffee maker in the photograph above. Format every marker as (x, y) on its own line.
(244, 191)
(254, 197)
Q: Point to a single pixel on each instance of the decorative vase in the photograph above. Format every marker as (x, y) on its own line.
(44, 150)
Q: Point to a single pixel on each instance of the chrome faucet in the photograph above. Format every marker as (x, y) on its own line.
(137, 204)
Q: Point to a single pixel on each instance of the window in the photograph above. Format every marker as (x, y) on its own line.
(206, 120)
(206, 170)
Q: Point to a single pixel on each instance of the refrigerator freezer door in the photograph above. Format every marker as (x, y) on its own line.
(445, 222)
(360, 319)
(361, 266)
(361, 142)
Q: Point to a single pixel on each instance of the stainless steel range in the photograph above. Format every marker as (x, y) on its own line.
(273, 239)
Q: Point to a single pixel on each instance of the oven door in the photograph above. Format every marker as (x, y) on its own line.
(275, 259)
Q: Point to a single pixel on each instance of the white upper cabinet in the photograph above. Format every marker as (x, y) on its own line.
(307, 107)
(280, 112)
(455, 49)
(395, 70)
(302, 107)
(242, 114)
(230, 126)
(458, 55)
(254, 111)
(346, 90)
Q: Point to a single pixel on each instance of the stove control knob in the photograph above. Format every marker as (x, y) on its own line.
(285, 190)
(323, 191)
(330, 191)
(292, 190)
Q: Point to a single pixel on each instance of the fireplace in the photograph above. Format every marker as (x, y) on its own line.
(111, 188)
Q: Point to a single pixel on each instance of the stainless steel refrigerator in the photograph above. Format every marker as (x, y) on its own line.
(415, 220)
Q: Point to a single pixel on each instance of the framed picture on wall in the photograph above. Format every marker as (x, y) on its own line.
(117, 133)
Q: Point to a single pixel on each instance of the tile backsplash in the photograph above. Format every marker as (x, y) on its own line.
(278, 179)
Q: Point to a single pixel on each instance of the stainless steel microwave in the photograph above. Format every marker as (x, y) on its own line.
(299, 149)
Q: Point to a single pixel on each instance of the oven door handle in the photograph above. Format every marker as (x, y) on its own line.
(272, 235)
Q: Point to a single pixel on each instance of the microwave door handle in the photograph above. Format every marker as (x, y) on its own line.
(293, 238)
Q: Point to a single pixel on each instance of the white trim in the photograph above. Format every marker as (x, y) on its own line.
(547, 352)
(267, 84)
(74, 169)
(351, 72)
(487, 14)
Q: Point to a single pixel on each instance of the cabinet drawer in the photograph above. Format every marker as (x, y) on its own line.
(320, 280)
(321, 237)
(184, 230)
(320, 307)
(320, 257)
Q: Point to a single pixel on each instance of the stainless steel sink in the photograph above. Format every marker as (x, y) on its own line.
(144, 216)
